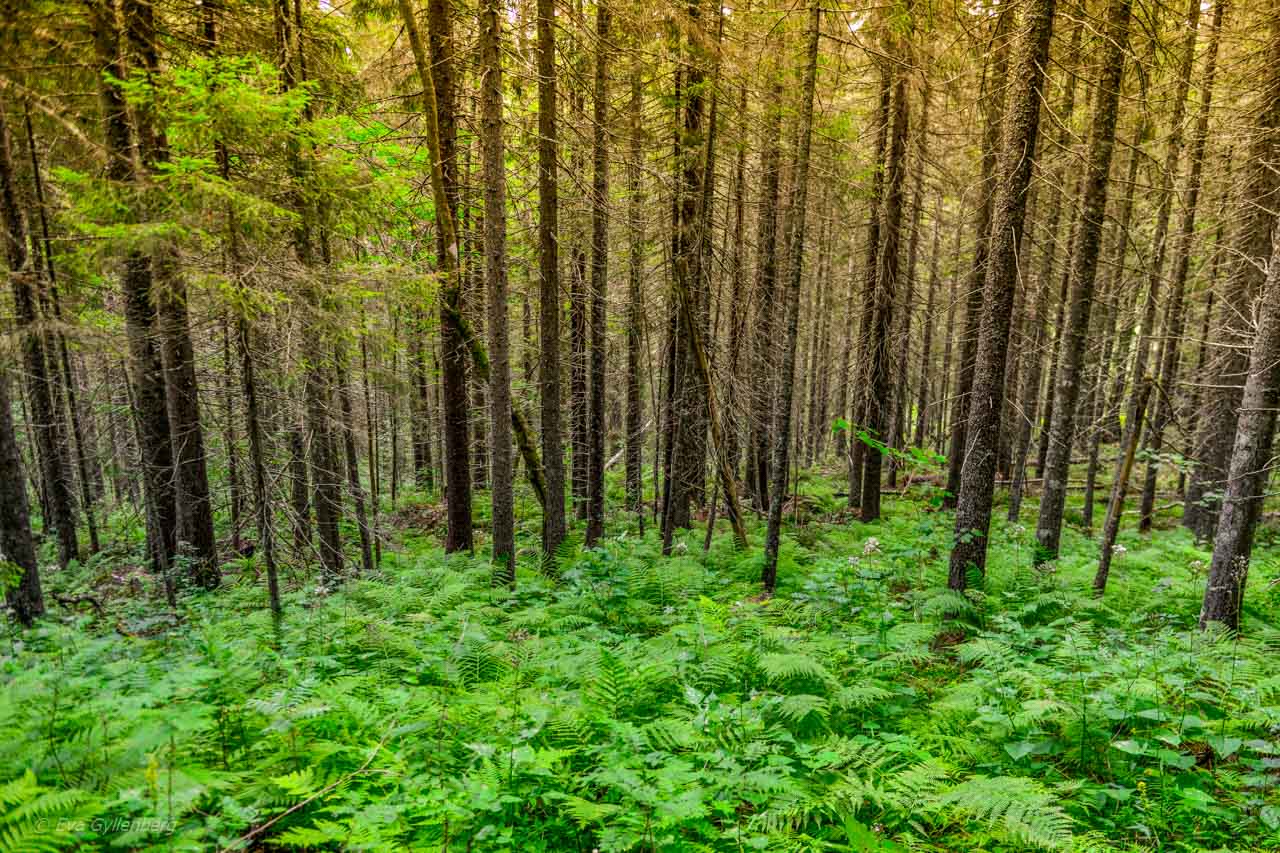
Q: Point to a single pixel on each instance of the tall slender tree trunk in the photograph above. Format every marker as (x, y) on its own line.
(1251, 462)
(1102, 136)
(688, 401)
(887, 282)
(257, 463)
(1022, 126)
(553, 515)
(25, 597)
(635, 303)
(599, 278)
(354, 486)
(1251, 243)
(169, 299)
(46, 422)
(317, 438)
(992, 108)
(420, 408)
(1115, 506)
(858, 414)
(898, 430)
(923, 400)
(495, 270)
(791, 297)
(740, 296)
(760, 422)
(455, 410)
(1175, 315)
(86, 464)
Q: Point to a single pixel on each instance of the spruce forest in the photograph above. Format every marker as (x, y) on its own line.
(595, 425)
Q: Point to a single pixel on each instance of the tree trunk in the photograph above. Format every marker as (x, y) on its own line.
(688, 401)
(169, 298)
(1022, 126)
(923, 400)
(791, 297)
(635, 303)
(992, 104)
(1115, 506)
(553, 514)
(879, 330)
(1250, 245)
(759, 425)
(87, 466)
(1251, 462)
(353, 459)
(45, 420)
(495, 271)
(1175, 319)
(599, 279)
(1102, 138)
(898, 431)
(25, 597)
(258, 465)
(182, 396)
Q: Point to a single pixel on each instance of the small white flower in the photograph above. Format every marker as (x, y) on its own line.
(1119, 550)
(871, 547)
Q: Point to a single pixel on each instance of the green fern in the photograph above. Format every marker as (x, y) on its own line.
(35, 818)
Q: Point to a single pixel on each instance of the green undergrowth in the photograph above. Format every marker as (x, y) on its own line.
(635, 702)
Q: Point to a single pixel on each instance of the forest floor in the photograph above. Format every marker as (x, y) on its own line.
(642, 703)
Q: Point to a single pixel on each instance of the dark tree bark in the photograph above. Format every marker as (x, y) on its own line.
(791, 297)
(1251, 243)
(235, 499)
(87, 465)
(1102, 136)
(25, 597)
(553, 515)
(923, 400)
(495, 271)
(1022, 126)
(686, 450)
(879, 330)
(455, 411)
(373, 452)
(898, 430)
(318, 437)
(740, 297)
(1251, 462)
(599, 279)
(635, 304)
(182, 396)
(420, 407)
(45, 419)
(169, 298)
(354, 486)
(258, 464)
(1175, 315)
(858, 413)
(300, 492)
(992, 104)
(1033, 374)
(1115, 506)
(326, 470)
(763, 372)
(849, 332)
